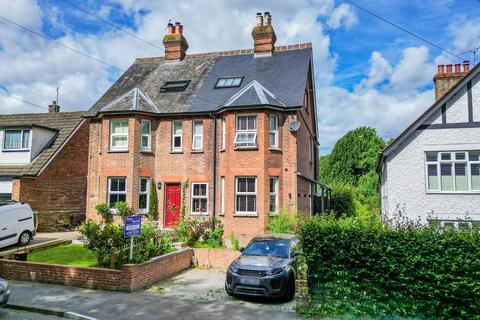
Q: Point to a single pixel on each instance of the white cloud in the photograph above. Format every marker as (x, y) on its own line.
(380, 70)
(413, 70)
(342, 15)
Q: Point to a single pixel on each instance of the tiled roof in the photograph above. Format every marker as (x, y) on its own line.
(63, 122)
(283, 75)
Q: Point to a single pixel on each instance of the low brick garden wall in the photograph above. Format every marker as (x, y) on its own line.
(130, 278)
(215, 258)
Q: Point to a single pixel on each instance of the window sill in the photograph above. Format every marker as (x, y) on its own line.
(117, 151)
(147, 151)
(196, 151)
(176, 151)
(246, 149)
(453, 192)
(274, 149)
(246, 215)
(15, 150)
(199, 214)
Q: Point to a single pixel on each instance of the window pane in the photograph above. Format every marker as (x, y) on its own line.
(272, 185)
(228, 82)
(199, 205)
(221, 83)
(273, 139)
(145, 127)
(236, 81)
(197, 143)
(121, 185)
(241, 203)
(446, 156)
(142, 201)
(242, 123)
(460, 156)
(113, 184)
(250, 184)
(26, 139)
(446, 177)
(244, 137)
(119, 141)
(461, 182)
(432, 156)
(252, 123)
(120, 126)
(198, 127)
(273, 122)
(122, 197)
(251, 203)
(112, 199)
(13, 139)
(432, 177)
(200, 189)
(177, 127)
(177, 142)
(143, 185)
(474, 155)
(242, 185)
(475, 172)
(273, 200)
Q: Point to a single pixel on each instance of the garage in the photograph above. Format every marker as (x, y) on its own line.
(6, 184)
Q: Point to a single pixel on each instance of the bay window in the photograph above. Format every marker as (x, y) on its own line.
(246, 134)
(16, 140)
(246, 195)
(457, 171)
(119, 135)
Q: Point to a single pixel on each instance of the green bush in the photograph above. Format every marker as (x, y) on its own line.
(104, 211)
(152, 201)
(359, 268)
(343, 200)
(200, 232)
(234, 242)
(284, 222)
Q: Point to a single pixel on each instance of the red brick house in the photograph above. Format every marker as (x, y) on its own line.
(239, 125)
(43, 161)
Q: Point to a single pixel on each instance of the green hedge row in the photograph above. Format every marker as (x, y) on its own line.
(359, 269)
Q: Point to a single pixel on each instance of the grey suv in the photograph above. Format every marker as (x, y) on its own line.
(4, 292)
(266, 268)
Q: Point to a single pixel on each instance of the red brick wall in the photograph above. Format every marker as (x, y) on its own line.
(59, 192)
(215, 258)
(131, 278)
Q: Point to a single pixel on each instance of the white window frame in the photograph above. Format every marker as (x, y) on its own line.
(438, 162)
(146, 193)
(177, 149)
(310, 149)
(112, 148)
(222, 195)
(194, 122)
(110, 192)
(148, 147)
(224, 133)
(275, 131)
(22, 131)
(199, 197)
(238, 132)
(237, 193)
(274, 193)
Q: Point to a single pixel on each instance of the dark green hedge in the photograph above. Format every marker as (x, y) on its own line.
(360, 269)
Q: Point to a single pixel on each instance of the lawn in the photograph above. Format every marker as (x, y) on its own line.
(70, 255)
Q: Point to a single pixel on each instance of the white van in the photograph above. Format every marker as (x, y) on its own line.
(16, 224)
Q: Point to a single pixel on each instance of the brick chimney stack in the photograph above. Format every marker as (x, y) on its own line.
(54, 107)
(263, 35)
(175, 43)
(445, 80)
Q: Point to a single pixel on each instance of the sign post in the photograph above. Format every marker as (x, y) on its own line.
(131, 229)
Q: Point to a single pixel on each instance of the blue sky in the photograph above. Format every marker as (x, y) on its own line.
(367, 72)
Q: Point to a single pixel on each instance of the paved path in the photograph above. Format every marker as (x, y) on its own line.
(119, 306)
(22, 315)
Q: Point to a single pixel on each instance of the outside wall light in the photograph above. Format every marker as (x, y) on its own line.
(159, 185)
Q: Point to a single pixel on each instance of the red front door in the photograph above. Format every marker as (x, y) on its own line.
(172, 201)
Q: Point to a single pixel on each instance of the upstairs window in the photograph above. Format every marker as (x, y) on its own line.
(274, 131)
(177, 136)
(199, 198)
(229, 82)
(16, 140)
(197, 135)
(175, 86)
(146, 135)
(457, 171)
(246, 135)
(119, 135)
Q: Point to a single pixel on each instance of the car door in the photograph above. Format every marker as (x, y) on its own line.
(8, 227)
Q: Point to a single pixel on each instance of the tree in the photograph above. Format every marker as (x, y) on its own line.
(152, 201)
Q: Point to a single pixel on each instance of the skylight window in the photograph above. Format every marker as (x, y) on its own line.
(175, 86)
(229, 82)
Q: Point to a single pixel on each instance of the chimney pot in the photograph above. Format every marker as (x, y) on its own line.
(178, 29)
(54, 107)
(440, 69)
(449, 68)
(466, 66)
(267, 19)
(259, 19)
(170, 28)
(457, 67)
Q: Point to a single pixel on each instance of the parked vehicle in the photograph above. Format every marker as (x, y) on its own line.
(4, 292)
(16, 224)
(266, 268)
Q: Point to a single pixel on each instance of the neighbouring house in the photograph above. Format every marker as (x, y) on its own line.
(239, 125)
(44, 162)
(431, 172)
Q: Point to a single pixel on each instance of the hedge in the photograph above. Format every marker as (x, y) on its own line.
(358, 269)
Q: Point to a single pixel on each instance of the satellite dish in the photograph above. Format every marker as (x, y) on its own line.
(294, 126)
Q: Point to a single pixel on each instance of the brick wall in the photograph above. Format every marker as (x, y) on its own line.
(59, 192)
(131, 278)
(215, 258)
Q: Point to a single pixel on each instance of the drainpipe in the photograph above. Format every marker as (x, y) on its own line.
(214, 117)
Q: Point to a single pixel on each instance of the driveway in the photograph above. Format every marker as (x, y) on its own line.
(41, 239)
(207, 285)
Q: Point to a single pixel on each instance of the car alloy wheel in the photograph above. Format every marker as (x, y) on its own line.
(25, 238)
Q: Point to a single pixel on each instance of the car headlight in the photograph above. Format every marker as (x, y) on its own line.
(233, 268)
(277, 270)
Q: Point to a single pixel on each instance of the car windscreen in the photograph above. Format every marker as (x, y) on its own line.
(271, 248)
